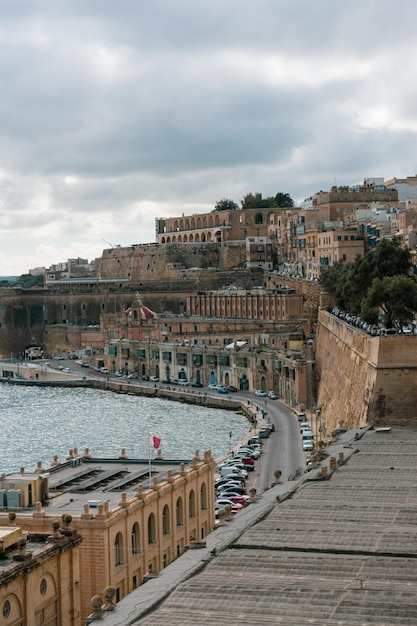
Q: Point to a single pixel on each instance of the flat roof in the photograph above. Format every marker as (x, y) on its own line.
(98, 480)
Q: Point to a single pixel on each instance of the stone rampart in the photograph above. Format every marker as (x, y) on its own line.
(362, 379)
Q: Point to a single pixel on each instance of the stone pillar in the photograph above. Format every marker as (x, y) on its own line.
(333, 463)
(341, 458)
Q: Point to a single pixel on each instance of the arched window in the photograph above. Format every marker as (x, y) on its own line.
(151, 529)
(203, 497)
(165, 521)
(191, 504)
(179, 514)
(135, 542)
(259, 218)
(118, 549)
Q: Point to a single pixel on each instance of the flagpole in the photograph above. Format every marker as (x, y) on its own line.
(149, 458)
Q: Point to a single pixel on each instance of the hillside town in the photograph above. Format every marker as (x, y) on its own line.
(230, 302)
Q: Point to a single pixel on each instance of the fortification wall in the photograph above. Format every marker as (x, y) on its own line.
(151, 262)
(362, 379)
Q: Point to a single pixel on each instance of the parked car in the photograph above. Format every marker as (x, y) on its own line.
(154, 379)
(231, 388)
(195, 384)
(66, 370)
(264, 433)
(272, 395)
(260, 393)
(133, 375)
(212, 386)
(223, 501)
(308, 445)
(221, 389)
(144, 377)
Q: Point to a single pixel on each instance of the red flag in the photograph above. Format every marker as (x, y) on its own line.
(155, 442)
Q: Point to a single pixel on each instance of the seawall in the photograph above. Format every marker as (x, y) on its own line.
(364, 380)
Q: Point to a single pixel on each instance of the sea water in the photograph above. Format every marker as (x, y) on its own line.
(38, 422)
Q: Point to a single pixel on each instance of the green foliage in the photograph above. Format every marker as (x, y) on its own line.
(225, 205)
(27, 281)
(255, 201)
(349, 283)
(284, 200)
(396, 296)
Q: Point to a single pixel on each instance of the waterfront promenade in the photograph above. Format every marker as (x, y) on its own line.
(335, 548)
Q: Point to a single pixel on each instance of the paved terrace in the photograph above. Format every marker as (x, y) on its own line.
(333, 551)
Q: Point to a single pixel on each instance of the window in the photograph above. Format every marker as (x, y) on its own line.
(191, 504)
(6, 609)
(179, 512)
(151, 529)
(203, 497)
(165, 520)
(118, 548)
(135, 539)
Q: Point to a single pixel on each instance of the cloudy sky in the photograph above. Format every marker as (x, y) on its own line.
(114, 113)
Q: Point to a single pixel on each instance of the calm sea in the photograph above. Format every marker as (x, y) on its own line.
(38, 422)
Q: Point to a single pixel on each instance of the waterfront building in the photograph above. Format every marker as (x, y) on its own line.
(133, 523)
(39, 574)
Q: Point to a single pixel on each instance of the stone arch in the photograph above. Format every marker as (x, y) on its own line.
(259, 218)
(162, 239)
(185, 239)
(218, 236)
(179, 238)
(203, 237)
(209, 235)
(15, 607)
(197, 237)
(191, 238)
(176, 225)
(168, 239)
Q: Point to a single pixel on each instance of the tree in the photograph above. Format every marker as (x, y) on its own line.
(225, 205)
(255, 201)
(284, 200)
(396, 296)
(349, 283)
(26, 281)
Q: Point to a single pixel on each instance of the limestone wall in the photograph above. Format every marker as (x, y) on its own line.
(363, 379)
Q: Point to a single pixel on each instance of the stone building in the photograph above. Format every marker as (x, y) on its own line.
(39, 574)
(133, 523)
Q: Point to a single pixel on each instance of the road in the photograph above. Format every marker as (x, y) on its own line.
(282, 450)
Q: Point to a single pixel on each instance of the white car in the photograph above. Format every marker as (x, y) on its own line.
(154, 379)
(212, 386)
(261, 393)
(308, 445)
(272, 395)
